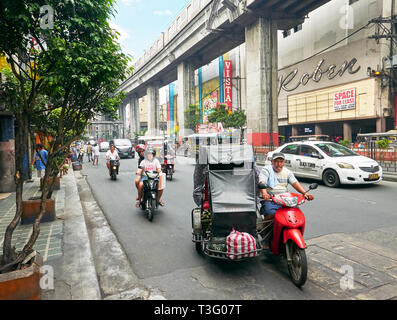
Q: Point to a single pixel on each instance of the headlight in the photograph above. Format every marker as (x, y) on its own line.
(291, 201)
(114, 168)
(345, 165)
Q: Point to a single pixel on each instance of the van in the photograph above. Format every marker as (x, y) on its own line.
(124, 147)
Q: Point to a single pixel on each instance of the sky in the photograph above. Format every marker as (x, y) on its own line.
(140, 22)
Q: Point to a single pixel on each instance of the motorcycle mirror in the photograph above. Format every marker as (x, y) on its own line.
(261, 186)
(313, 186)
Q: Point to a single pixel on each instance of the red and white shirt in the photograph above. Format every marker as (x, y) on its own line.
(153, 165)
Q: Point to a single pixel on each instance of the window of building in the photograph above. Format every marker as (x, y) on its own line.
(297, 28)
(286, 33)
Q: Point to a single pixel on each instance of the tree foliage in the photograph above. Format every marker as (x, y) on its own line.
(192, 117)
(236, 119)
(60, 77)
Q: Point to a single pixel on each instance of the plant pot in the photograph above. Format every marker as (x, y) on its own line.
(31, 210)
(56, 186)
(77, 166)
(22, 284)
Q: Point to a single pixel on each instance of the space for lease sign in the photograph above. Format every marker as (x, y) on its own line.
(345, 100)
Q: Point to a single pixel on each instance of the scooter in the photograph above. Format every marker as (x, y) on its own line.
(150, 193)
(114, 169)
(168, 166)
(286, 236)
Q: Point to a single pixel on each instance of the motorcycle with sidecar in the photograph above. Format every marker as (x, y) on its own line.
(230, 201)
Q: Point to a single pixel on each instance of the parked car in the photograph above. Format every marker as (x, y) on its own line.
(104, 146)
(330, 162)
(124, 148)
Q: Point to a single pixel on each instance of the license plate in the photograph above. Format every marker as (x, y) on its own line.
(373, 176)
(125, 153)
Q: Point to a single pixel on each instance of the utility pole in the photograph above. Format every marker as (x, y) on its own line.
(389, 33)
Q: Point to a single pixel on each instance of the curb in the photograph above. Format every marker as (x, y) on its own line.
(75, 274)
(390, 177)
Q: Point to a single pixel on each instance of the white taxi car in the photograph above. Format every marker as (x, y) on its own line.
(330, 162)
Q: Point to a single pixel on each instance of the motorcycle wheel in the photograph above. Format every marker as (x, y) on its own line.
(169, 174)
(297, 268)
(149, 214)
(149, 210)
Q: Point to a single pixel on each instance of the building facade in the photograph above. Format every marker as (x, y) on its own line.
(324, 75)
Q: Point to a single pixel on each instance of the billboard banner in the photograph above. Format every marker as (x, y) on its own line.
(227, 68)
(345, 100)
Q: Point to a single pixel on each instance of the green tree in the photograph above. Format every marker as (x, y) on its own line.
(345, 143)
(192, 117)
(236, 119)
(56, 86)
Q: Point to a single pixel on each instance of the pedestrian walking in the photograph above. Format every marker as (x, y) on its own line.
(89, 152)
(95, 150)
(40, 159)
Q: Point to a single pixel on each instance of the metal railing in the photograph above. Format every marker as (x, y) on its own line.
(387, 158)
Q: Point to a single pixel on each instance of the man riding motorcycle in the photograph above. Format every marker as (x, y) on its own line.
(140, 149)
(276, 177)
(111, 154)
(150, 163)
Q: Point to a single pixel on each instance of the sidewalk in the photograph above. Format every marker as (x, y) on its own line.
(87, 260)
(63, 243)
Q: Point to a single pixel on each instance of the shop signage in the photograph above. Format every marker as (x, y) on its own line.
(227, 67)
(291, 81)
(345, 100)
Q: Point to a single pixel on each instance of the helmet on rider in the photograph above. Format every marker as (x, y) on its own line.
(140, 148)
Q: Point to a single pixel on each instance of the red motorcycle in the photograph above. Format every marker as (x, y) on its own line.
(286, 233)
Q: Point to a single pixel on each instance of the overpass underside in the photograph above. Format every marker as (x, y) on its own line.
(220, 27)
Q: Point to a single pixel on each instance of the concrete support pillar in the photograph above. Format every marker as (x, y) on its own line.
(294, 131)
(261, 69)
(381, 125)
(347, 131)
(153, 109)
(7, 154)
(318, 129)
(134, 114)
(185, 94)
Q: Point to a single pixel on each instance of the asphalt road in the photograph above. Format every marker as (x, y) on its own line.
(163, 256)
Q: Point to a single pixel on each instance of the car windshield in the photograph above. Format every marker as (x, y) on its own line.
(122, 142)
(335, 150)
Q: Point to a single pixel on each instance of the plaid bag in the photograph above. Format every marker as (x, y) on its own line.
(240, 245)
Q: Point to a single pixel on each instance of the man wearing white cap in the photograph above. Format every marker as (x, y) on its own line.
(277, 178)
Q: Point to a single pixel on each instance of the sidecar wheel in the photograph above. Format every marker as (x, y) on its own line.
(199, 248)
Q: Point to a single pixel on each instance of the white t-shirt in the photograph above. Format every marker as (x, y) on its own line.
(95, 150)
(153, 165)
(112, 156)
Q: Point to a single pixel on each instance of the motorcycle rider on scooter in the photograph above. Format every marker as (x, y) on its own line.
(276, 177)
(150, 163)
(140, 149)
(111, 154)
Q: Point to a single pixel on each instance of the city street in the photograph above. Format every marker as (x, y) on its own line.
(351, 225)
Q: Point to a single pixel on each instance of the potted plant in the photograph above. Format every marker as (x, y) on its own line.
(58, 78)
